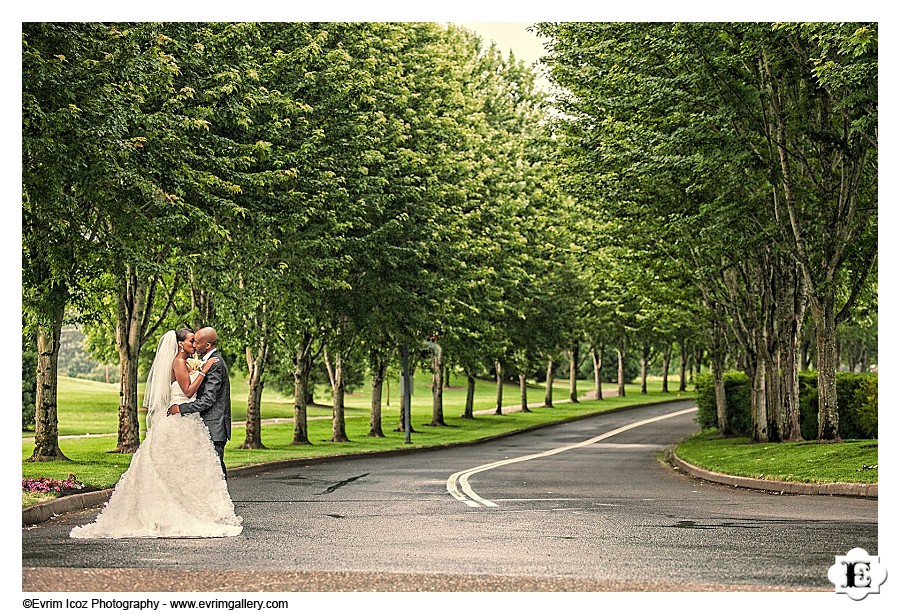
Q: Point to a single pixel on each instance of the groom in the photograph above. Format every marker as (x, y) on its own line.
(213, 400)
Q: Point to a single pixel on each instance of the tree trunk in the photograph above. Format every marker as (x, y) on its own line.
(758, 410)
(469, 411)
(130, 325)
(721, 400)
(645, 362)
(523, 391)
(499, 371)
(401, 426)
(129, 425)
(302, 366)
(804, 351)
(548, 392)
(667, 358)
(46, 425)
(597, 355)
(573, 373)
(682, 367)
(774, 399)
(717, 366)
(406, 384)
(338, 424)
(256, 364)
(790, 359)
(437, 386)
(407, 370)
(826, 361)
(379, 371)
(838, 352)
(790, 389)
(620, 351)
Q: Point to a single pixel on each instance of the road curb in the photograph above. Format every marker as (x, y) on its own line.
(42, 512)
(843, 489)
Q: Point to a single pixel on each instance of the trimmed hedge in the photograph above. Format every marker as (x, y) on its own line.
(737, 402)
(857, 404)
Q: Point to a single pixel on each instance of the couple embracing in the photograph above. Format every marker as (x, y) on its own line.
(176, 483)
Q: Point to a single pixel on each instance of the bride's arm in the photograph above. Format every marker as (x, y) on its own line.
(183, 375)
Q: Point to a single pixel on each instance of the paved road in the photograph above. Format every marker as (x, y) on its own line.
(584, 506)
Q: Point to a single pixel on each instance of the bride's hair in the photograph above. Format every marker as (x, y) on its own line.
(182, 333)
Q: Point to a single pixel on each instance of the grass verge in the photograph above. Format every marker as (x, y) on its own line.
(95, 466)
(854, 460)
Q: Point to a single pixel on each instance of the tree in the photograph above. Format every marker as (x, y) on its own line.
(85, 84)
(742, 172)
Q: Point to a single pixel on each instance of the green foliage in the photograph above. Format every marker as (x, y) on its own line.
(866, 403)
(673, 141)
(737, 402)
(95, 466)
(809, 405)
(609, 370)
(857, 405)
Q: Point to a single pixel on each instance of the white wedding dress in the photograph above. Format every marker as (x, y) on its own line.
(174, 486)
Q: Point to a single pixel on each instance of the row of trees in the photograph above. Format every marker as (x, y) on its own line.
(399, 192)
(305, 188)
(737, 164)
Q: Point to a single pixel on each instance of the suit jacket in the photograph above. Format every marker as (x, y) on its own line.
(213, 401)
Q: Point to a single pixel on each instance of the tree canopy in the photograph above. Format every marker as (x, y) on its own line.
(347, 192)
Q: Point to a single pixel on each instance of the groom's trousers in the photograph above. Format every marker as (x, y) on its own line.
(220, 450)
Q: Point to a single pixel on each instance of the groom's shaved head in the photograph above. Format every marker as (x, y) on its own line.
(206, 335)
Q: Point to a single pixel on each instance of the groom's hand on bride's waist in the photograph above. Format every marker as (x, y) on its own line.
(173, 410)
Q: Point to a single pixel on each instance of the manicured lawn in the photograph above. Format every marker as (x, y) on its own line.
(94, 407)
(91, 407)
(805, 461)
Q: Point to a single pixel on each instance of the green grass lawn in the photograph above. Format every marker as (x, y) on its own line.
(87, 406)
(91, 407)
(805, 461)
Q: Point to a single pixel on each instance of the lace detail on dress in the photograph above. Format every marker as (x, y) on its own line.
(173, 487)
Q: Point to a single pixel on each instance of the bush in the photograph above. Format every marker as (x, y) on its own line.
(737, 402)
(854, 391)
(68, 486)
(809, 405)
(866, 402)
(857, 404)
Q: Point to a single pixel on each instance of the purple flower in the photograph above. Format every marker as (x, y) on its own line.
(50, 484)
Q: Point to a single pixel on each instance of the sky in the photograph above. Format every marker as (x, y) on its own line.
(509, 36)
(512, 36)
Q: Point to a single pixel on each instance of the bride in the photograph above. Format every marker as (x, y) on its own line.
(174, 486)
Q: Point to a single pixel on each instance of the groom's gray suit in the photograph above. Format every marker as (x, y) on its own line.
(213, 403)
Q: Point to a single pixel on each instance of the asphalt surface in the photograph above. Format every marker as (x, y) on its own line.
(558, 509)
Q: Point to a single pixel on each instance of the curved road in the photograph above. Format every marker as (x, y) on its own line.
(584, 506)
